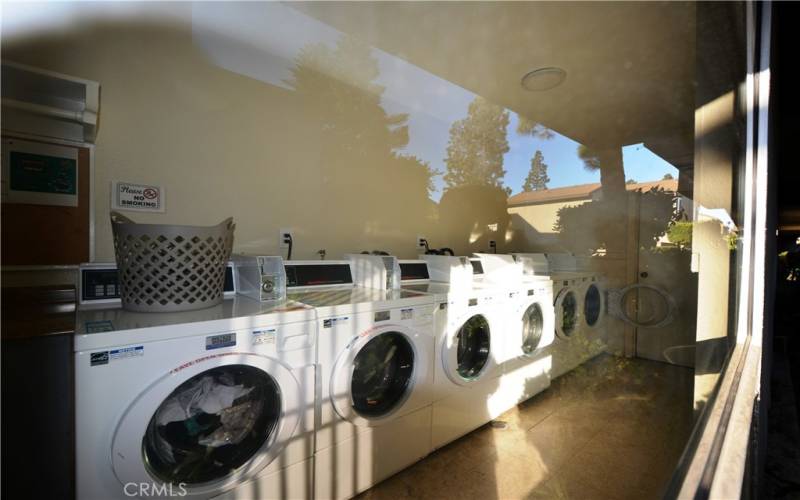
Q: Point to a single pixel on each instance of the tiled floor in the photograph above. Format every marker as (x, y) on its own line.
(614, 428)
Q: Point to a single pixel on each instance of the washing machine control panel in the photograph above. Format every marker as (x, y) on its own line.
(317, 274)
(99, 285)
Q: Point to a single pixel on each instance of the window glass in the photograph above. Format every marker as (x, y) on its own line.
(612, 131)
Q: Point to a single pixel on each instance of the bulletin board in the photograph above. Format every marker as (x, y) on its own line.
(45, 203)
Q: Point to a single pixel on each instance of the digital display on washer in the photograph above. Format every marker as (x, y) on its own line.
(414, 271)
(477, 267)
(318, 274)
(221, 340)
(99, 284)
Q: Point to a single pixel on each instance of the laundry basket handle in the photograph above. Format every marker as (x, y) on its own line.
(229, 223)
(118, 218)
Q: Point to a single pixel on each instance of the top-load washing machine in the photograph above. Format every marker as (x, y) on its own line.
(375, 372)
(214, 403)
(468, 344)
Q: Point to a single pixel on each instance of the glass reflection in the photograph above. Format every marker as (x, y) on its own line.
(363, 125)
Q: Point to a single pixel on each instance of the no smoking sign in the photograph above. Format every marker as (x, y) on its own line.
(139, 197)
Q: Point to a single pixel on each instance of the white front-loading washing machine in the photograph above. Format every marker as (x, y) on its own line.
(375, 356)
(531, 333)
(504, 276)
(468, 348)
(640, 305)
(214, 403)
(579, 301)
(576, 340)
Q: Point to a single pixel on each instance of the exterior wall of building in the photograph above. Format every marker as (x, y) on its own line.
(536, 223)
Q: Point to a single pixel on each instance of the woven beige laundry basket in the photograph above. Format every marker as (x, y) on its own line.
(166, 268)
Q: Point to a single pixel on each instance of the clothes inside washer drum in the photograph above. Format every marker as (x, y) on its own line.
(569, 313)
(473, 346)
(217, 435)
(382, 372)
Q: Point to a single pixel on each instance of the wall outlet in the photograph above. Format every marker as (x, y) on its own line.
(421, 242)
(283, 241)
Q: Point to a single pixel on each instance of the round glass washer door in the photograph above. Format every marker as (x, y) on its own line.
(567, 313)
(382, 373)
(208, 425)
(375, 376)
(532, 328)
(592, 305)
(467, 357)
(211, 425)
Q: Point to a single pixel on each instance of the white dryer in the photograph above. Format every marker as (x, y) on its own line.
(468, 348)
(214, 403)
(375, 376)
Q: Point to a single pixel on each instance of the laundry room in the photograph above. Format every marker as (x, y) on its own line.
(374, 249)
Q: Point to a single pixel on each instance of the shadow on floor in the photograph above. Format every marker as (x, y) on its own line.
(612, 429)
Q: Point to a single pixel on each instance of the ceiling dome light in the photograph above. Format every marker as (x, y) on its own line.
(543, 79)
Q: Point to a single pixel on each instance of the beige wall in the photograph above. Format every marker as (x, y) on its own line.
(227, 145)
(535, 223)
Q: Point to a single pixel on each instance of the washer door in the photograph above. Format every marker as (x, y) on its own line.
(650, 306)
(532, 328)
(208, 424)
(568, 314)
(375, 375)
(594, 305)
(467, 350)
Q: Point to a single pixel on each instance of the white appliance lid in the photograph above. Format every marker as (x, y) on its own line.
(96, 328)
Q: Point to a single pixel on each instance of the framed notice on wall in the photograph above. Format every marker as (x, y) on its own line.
(46, 203)
(39, 174)
(141, 197)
